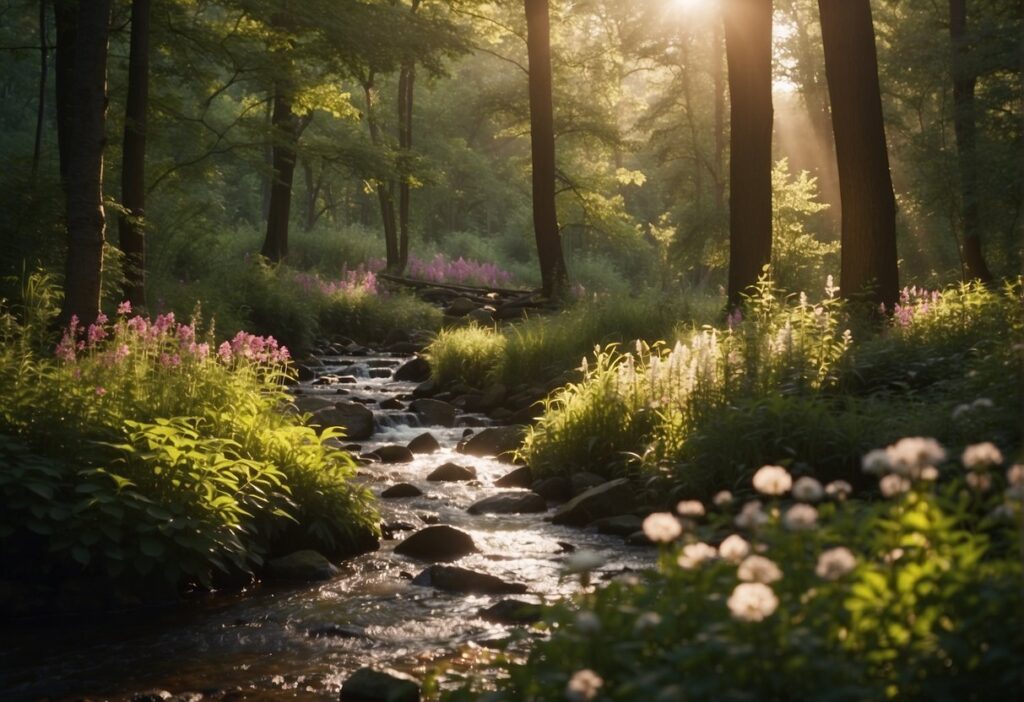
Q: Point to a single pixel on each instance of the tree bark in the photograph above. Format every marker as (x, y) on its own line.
(133, 158)
(41, 103)
(84, 183)
(385, 191)
(718, 78)
(869, 268)
(66, 19)
(286, 136)
(964, 125)
(542, 146)
(748, 48)
(406, 83)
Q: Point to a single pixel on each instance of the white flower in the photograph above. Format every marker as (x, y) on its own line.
(758, 569)
(752, 602)
(662, 527)
(835, 563)
(909, 455)
(960, 411)
(772, 480)
(838, 489)
(646, 621)
(807, 489)
(695, 555)
(893, 555)
(722, 499)
(588, 622)
(875, 462)
(583, 561)
(583, 686)
(734, 548)
(893, 485)
(800, 517)
(981, 456)
(751, 516)
(982, 403)
(690, 508)
(981, 482)
(1015, 475)
(929, 473)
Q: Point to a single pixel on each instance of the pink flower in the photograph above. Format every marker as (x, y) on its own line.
(124, 308)
(224, 352)
(100, 391)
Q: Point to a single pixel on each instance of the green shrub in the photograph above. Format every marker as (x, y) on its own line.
(467, 354)
(368, 316)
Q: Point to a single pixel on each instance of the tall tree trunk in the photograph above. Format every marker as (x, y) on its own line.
(748, 48)
(718, 76)
(406, 83)
(84, 184)
(385, 191)
(542, 146)
(312, 193)
(869, 268)
(66, 19)
(41, 104)
(268, 161)
(964, 81)
(133, 158)
(286, 137)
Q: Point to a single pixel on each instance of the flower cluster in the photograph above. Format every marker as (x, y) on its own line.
(361, 279)
(914, 302)
(440, 269)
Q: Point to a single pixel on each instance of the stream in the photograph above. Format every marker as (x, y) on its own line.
(257, 645)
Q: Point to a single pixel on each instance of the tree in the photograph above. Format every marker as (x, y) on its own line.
(406, 93)
(41, 102)
(868, 262)
(964, 124)
(286, 127)
(66, 19)
(542, 148)
(748, 48)
(86, 220)
(133, 158)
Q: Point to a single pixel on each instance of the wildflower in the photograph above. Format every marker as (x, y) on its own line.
(908, 455)
(980, 482)
(835, 563)
(758, 569)
(960, 411)
(752, 602)
(1015, 475)
(588, 622)
(838, 489)
(583, 686)
(690, 508)
(800, 517)
(893, 485)
(722, 499)
(662, 527)
(875, 462)
(893, 555)
(695, 555)
(224, 352)
(982, 403)
(583, 561)
(929, 473)
(646, 622)
(100, 391)
(807, 489)
(751, 516)
(772, 480)
(734, 548)
(981, 456)
(124, 308)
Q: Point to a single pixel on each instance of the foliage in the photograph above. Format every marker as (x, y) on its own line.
(799, 258)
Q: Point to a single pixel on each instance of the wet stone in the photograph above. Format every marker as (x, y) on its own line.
(401, 490)
(512, 612)
(392, 454)
(369, 685)
(510, 503)
(437, 543)
(455, 579)
(337, 631)
(450, 472)
(519, 478)
(301, 566)
(424, 443)
(391, 403)
(416, 370)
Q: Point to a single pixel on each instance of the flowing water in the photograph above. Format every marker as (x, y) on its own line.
(258, 645)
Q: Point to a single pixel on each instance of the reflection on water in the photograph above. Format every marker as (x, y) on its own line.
(302, 643)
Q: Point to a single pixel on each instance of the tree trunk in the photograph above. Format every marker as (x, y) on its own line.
(285, 140)
(964, 81)
(719, 82)
(267, 181)
(312, 193)
(406, 83)
(385, 191)
(869, 268)
(41, 104)
(748, 48)
(84, 184)
(133, 158)
(66, 19)
(542, 145)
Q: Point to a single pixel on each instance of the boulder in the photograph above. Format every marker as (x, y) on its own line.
(401, 490)
(433, 412)
(300, 567)
(415, 370)
(608, 500)
(509, 503)
(461, 306)
(450, 472)
(425, 389)
(437, 543)
(337, 631)
(392, 454)
(623, 525)
(353, 417)
(519, 478)
(392, 403)
(581, 482)
(380, 373)
(304, 372)
(512, 612)
(312, 403)
(369, 685)
(424, 443)
(484, 316)
(495, 441)
(455, 579)
(556, 489)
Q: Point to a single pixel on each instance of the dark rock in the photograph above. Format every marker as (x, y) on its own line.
(301, 566)
(519, 478)
(391, 403)
(401, 490)
(415, 370)
(304, 372)
(461, 306)
(369, 685)
(608, 500)
(466, 433)
(424, 443)
(484, 316)
(566, 547)
(450, 472)
(392, 454)
(468, 420)
(512, 612)
(638, 538)
(354, 418)
(380, 372)
(382, 363)
(425, 389)
(430, 519)
(500, 415)
(337, 631)
(455, 579)
(348, 380)
(623, 525)
(405, 347)
(312, 403)
(509, 503)
(437, 543)
(581, 482)
(433, 411)
(556, 489)
(495, 441)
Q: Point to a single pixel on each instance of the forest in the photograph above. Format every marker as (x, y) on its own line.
(480, 351)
